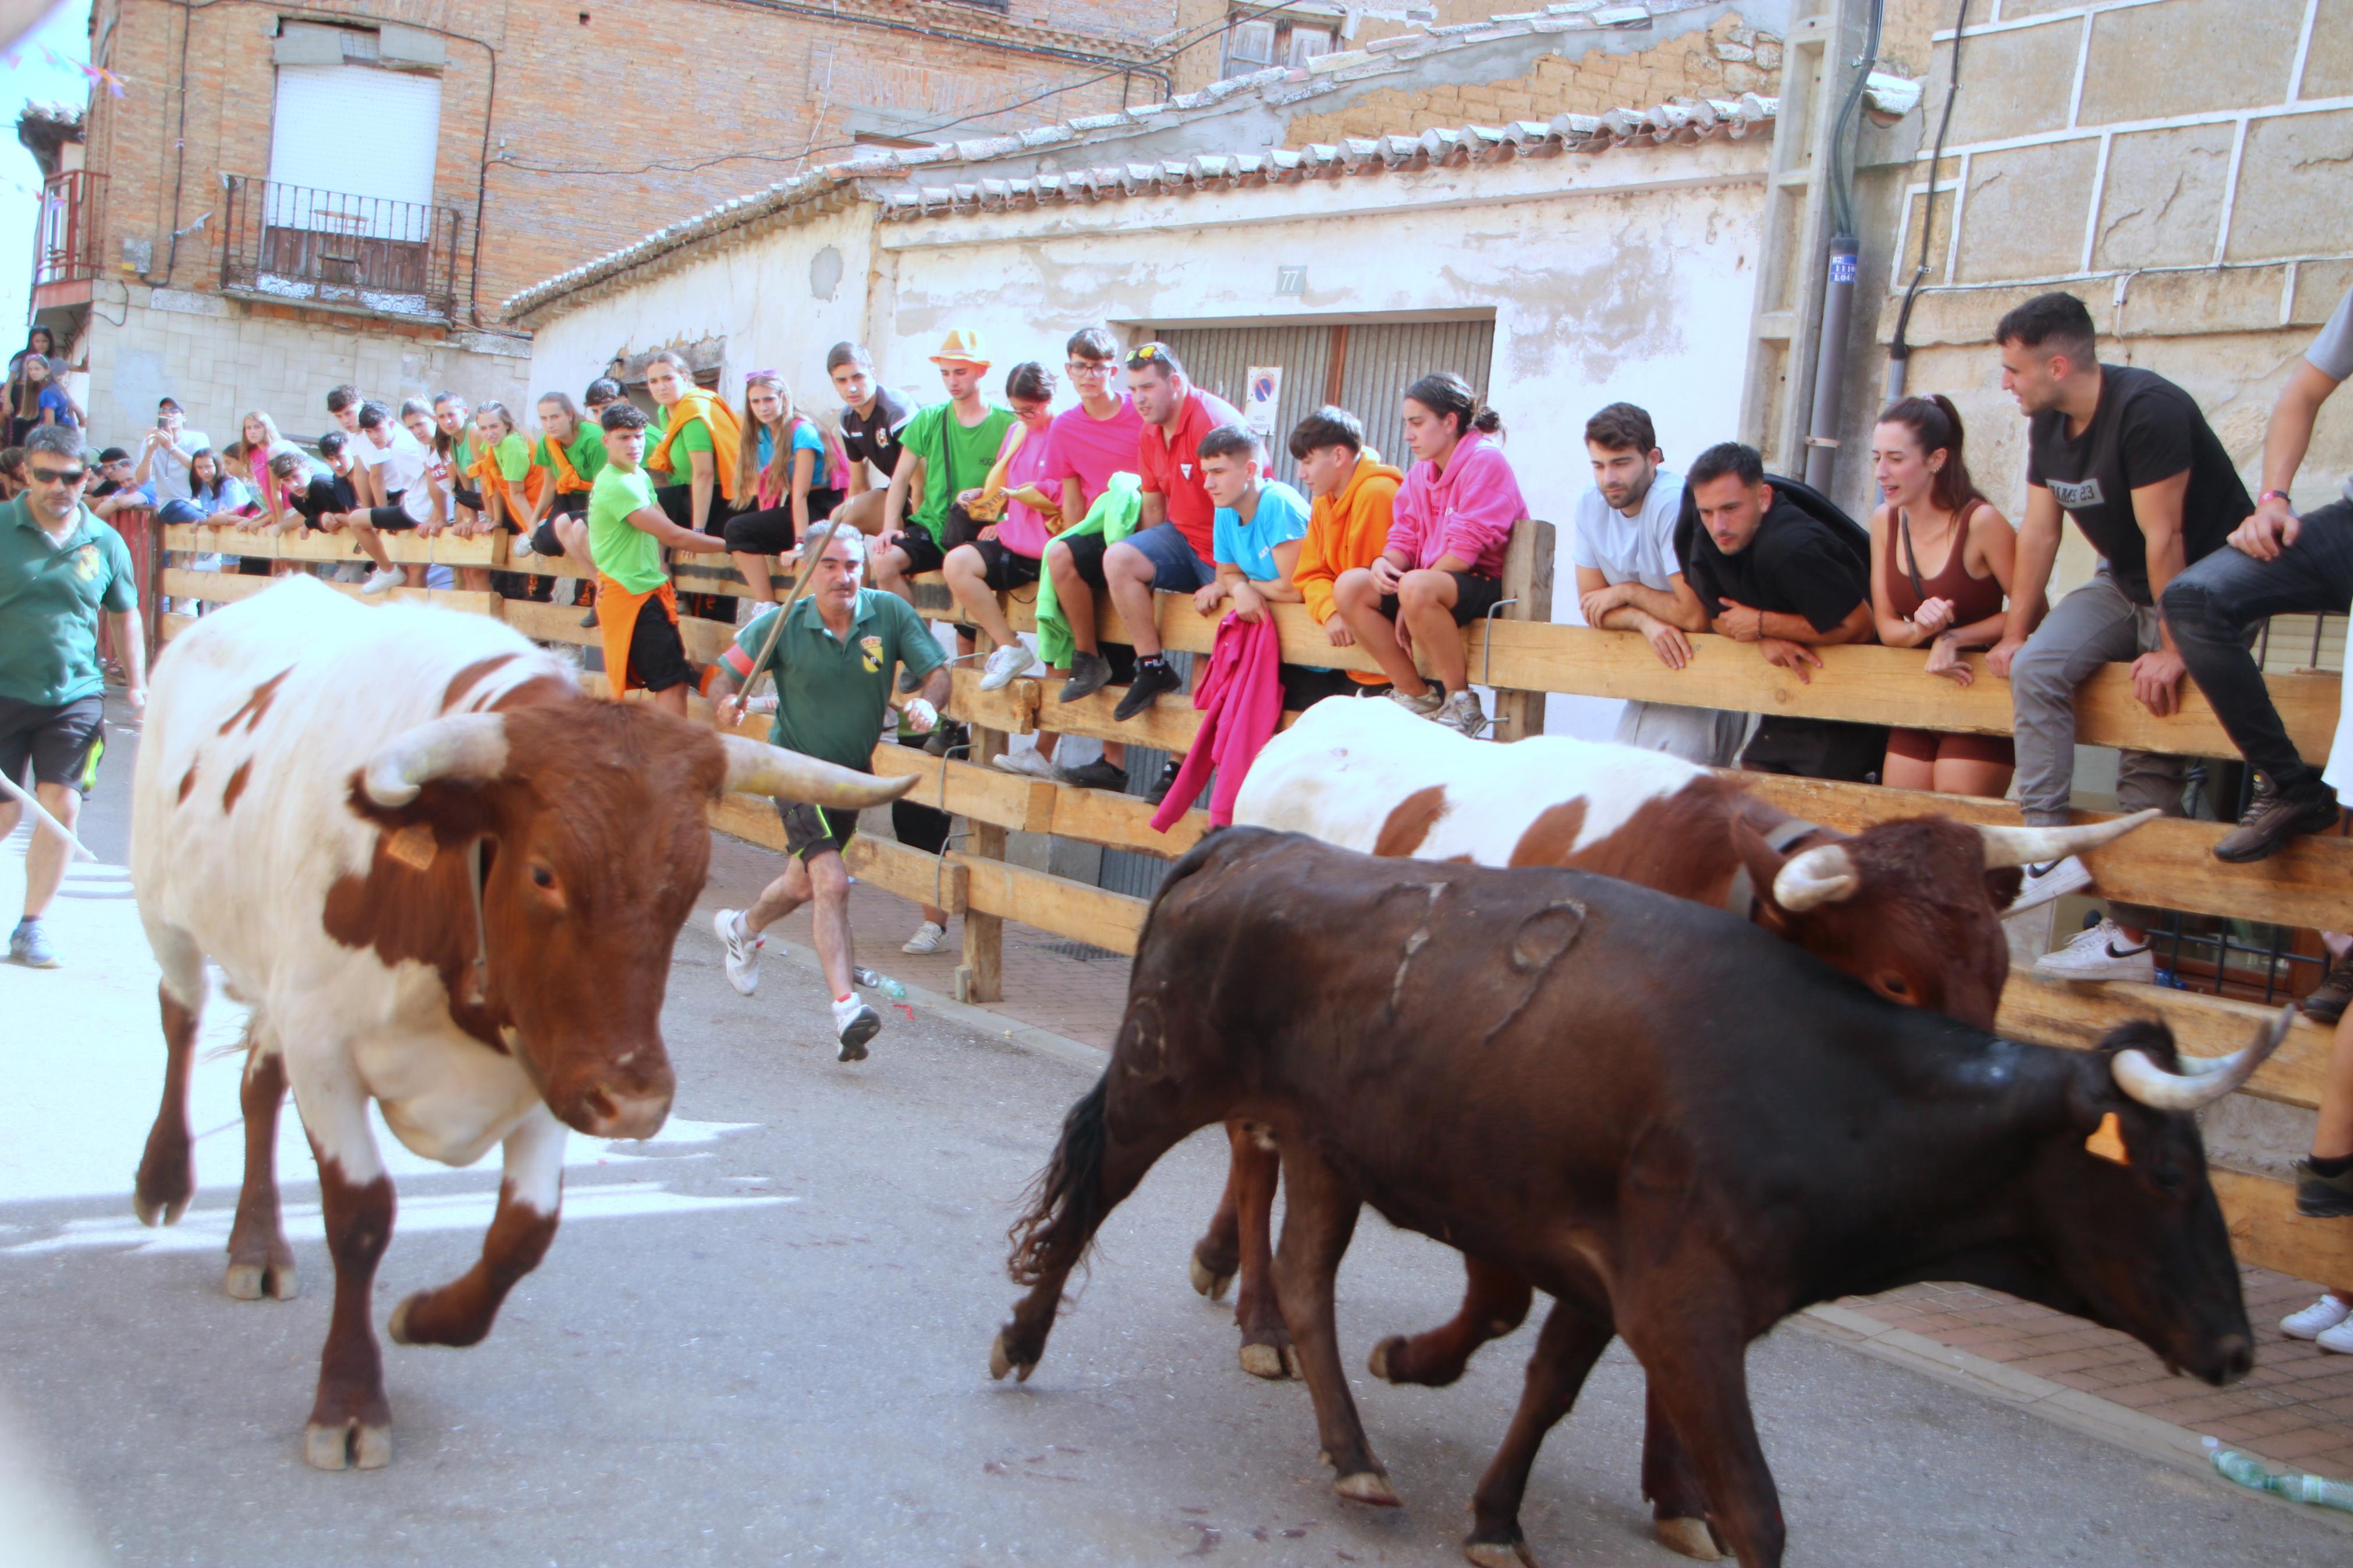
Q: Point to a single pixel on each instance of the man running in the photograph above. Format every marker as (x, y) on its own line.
(60, 568)
(833, 664)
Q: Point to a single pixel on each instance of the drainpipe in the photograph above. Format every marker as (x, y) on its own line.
(1829, 364)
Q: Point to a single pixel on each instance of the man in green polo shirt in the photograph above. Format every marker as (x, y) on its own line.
(833, 664)
(59, 567)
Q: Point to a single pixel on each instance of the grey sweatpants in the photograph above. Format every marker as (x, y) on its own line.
(2093, 625)
(1707, 736)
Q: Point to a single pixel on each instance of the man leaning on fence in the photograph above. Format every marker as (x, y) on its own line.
(60, 569)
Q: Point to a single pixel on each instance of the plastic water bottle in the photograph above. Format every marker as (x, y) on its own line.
(2251, 1472)
(875, 980)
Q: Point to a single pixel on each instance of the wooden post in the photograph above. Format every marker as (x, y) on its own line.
(981, 976)
(1527, 579)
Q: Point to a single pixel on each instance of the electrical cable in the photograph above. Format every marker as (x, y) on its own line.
(1841, 154)
(1897, 349)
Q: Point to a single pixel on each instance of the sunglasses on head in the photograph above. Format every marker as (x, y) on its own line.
(56, 476)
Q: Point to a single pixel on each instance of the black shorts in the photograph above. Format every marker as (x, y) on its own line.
(677, 502)
(1816, 749)
(923, 552)
(389, 518)
(768, 533)
(63, 743)
(1004, 568)
(1303, 688)
(656, 652)
(470, 499)
(542, 538)
(1087, 556)
(814, 830)
(1474, 596)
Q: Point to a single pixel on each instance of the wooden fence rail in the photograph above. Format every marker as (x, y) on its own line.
(2167, 863)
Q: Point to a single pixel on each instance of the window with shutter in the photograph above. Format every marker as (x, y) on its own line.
(351, 152)
(1249, 47)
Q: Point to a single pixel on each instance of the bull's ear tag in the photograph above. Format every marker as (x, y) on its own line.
(413, 848)
(2108, 1141)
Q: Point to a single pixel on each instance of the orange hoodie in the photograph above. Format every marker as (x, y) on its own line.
(1346, 531)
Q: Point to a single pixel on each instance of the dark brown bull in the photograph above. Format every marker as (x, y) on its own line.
(1675, 1124)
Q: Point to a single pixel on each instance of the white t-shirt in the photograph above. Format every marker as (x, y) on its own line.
(1637, 549)
(169, 474)
(364, 452)
(403, 470)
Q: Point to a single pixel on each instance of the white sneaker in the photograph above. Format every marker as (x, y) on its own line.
(1425, 706)
(2099, 953)
(854, 1023)
(1463, 714)
(742, 950)
(381, 582)
(1029, 765)
(927, 939)
(2322, 1315)
(1014, 659)
(519, 545)
(2052, 879)
(2338, 1339)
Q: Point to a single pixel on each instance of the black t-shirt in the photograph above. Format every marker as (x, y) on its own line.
(324, 493)
(1796, 564)
(2145, 430)
(874, 437)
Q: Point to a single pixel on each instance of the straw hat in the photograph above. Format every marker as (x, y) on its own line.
(962, 346)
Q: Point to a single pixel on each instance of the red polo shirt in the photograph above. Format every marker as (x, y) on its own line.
(1172, 468)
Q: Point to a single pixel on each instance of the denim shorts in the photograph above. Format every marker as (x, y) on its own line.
(1175, 568)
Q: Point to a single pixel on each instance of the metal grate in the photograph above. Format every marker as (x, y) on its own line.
(295, 243)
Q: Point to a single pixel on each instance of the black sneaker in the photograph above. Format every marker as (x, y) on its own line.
(1153, 681)
(1089, 673)
(2323, 1197)
(2327, 1003)
(1097, 775)
(1166, 782)
(2273, 818)
(948, 735)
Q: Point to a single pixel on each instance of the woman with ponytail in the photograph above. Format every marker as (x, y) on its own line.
(789, 475)
(1940, 571)
(1449, 525)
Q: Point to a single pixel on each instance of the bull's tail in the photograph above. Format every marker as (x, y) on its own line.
(1066, 1204)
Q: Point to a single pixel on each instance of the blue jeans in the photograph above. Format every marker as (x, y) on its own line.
(2211, 606)
(1175, 568)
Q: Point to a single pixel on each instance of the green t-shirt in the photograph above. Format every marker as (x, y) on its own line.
(586, 452)
(695, 436)
(955, 458)
(50, 596)
(831, 692)
(622, 551)
(513, 456)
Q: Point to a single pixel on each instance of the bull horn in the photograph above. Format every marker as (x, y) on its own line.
(2204, 1079)
(463, 745)
(1821, 876)
(2040, 846)
(756, 769)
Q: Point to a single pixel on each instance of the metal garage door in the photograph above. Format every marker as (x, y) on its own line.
(1363, 367)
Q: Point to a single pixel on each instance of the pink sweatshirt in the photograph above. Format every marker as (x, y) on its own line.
(1241, 700)
(1466, 513)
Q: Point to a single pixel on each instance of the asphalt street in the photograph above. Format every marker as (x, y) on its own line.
(764, 1340)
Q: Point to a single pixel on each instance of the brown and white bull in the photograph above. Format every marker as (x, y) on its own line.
(1911, 908)
(444, 880)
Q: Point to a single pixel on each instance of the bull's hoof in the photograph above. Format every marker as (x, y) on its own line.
(1378, 1363)
(251, 1282)
(348, 1445)
(1267, 1361)
(1001, 1361)
(159, 1211)
(1369, 1487)
(398, 1329)
(1500, 1553)
(1208, 1283)
(1690, 1537)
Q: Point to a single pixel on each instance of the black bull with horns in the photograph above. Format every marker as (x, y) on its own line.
(1680, 1127)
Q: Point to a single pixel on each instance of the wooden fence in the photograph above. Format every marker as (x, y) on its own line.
(2167, 863)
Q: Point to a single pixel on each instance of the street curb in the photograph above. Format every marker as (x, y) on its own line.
(2055, 1402)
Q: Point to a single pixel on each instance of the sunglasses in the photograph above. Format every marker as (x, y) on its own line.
(56, 476)
(1138, 358)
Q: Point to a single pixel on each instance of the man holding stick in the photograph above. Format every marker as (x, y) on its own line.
(833, 658)
(60, 568)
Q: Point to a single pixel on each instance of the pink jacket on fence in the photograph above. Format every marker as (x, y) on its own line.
(1240, 700)
(1466, 513)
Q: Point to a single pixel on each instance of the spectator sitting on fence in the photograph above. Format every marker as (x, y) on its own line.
(213, 492)
(343, 405)
(1016, 515)
(789, 475)
(873, 418)
(2279, 564)
(453, 441)
(411, 498)
(164, 455)
(1443, 566)
(1628, 579)
(570, 453)
(692, 453)
(1261, 537)
(1771, 572)
(833, 657)
(500, 469)
(946, 448)
(1348, 520)
(636, 608)
(2130, 457)
(115, 491)
(258, 442)
(1941, 558)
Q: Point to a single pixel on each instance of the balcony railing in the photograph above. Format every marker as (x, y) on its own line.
(65, 244)
(327, 247)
